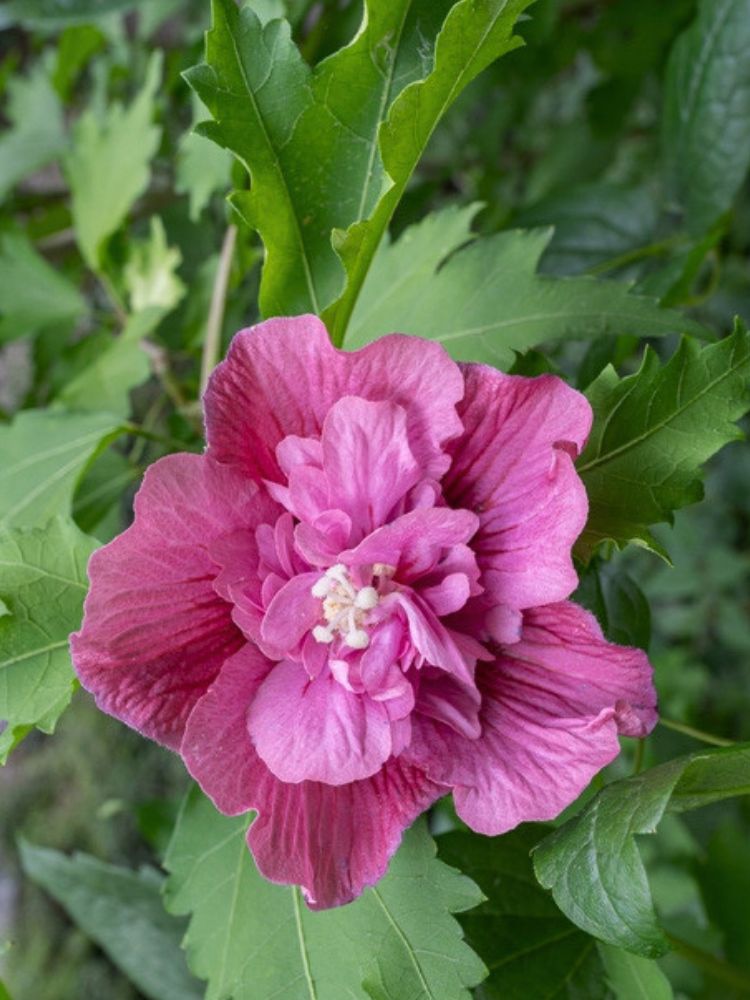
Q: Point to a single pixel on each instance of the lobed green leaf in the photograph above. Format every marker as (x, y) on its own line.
(42, 587)
(652, 433)
(250, 938)
(486, 302)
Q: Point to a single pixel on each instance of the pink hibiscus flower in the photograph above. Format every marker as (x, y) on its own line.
(355, 602)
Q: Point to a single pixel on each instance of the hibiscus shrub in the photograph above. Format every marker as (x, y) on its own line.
(374, 576)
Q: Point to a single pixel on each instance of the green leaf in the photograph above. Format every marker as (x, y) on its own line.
(33, 295)
(633, 977)
(108, 166)
(593, 224)
(323, 146)
(43, 584)
(618, 602)
(592, 863)
(36, 134)
(44, 453)
(59, 13)
(250, 938)
(707, 111)
(458, 304)
(122, 911)
(151, 271)
(4, 995)
(652, 433)
(105, 384)
(530, 947)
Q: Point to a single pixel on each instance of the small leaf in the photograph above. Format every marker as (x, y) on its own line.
(652, 433)
(707, 111)
(531, 948)
(250, 938)
(43, 584)
(36, 134)
(151, 271)
(592, 863)
(203, 168)
(44, 453)
(33, 295)
(108, 166)
(122, 911)
(633, 977)
(618, 602)
(458, 304)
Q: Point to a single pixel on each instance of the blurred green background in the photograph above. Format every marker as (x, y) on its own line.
(565, 132)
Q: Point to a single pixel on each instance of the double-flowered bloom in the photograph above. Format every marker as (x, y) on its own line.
(356, 601)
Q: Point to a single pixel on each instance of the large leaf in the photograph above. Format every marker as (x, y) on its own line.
(108, 166)
(42, 587)
(652, 433)
(122, 911)
(33, 295)
(487, 301)
(530, 947)
(44, 453)
(36, 134)
(250, 938)
(324, 146)
(707, 111)
(592, 863)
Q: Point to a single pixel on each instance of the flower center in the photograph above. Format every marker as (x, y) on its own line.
(344, 607)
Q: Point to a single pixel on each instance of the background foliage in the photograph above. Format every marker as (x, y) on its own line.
(576, 204)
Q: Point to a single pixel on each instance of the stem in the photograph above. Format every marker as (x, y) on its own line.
(713, 966)
(696, 734)
(212, 343)
(114, 298)
(639, 253)
(640, 752)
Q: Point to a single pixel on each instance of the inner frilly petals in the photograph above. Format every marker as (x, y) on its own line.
(415, 542)
(447, 596)
(503, 624)
(432, 639)
(367, 459)
(294, 451)
(320, 542)
(381, 665)
(291, 614)
(316, 730)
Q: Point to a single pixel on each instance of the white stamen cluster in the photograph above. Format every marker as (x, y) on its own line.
(344, 608)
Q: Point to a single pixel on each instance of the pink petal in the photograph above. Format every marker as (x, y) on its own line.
(552, 707)
(414, 542)
(216, 747)
(155, 632)
(433, 640)
(514, 467)
(316, 730)
(336, 841)
(292, 613)
(283, 376)
(367, 459)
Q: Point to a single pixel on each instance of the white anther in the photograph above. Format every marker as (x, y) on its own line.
(366, 599)
(344, 608)
(322, 587)
(357, 639)
(322, 634)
